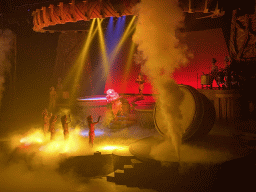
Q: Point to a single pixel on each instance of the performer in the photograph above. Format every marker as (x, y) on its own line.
(227, 72)
(53, 120)
(140, 80)
(65, 123)
(59, 90)
(214, 72)
(113, 99)
(91, 129)
(53, 97)
(46, 119)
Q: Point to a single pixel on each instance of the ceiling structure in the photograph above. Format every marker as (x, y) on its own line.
(61, 15)
(62, 12)
(45, 14)
(76, 11)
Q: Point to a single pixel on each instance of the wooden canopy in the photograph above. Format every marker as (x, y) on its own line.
(75, 11)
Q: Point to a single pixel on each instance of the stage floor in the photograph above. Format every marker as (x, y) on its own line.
(218, 147)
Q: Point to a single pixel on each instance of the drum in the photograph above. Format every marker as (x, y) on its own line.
(220, 77)
(92, 105)
(206, 79)
(198, 115)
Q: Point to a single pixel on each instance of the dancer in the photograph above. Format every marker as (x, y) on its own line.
(65, 123)
(91, 129)
(46, 119)
(53, 120)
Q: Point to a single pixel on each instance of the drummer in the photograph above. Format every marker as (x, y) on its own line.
(226, 71)
(214, 72)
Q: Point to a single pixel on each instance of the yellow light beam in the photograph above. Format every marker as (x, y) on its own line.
(85, 48)
(129, 61)
(124, 37)
(103, 50)
(75, 67)
(81, 61)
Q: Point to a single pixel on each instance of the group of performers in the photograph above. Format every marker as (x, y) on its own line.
(50, 120)
(49, 124)
(225, 78)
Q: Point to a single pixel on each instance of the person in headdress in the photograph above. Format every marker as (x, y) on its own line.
(91, 129)
(65, 122)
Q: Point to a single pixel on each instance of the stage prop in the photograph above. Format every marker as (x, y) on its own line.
(198, 115)
(242, 36)
(227, 103)
(94, 105)
(113, 115)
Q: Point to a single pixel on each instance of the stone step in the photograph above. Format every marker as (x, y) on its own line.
(137, 164)
(128, 169)
(146, 167)
(120, 177)
(119, 172)
(120, 161)
(111, 177)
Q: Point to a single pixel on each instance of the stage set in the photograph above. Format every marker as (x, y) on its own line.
(134, 144)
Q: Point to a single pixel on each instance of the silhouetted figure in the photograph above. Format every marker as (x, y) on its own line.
(59, 90)
(53, 97)
(46, 119)
(214, 72)
(53, 120)
(65, 122)
(91, 129)
(227, 72)
(140, 80)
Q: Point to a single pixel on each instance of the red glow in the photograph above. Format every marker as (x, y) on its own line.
(203, 44)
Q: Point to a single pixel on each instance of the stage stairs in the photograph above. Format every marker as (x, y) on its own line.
(134, 172)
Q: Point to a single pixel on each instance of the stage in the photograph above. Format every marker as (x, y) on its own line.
(141, 158)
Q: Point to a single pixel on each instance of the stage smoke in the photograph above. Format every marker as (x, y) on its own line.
(6, 43)
(156, 35)
(32, 161)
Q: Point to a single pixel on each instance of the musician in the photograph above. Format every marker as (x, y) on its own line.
(227, 72)
(214, 72)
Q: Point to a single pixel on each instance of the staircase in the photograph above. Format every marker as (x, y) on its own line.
(137, 173)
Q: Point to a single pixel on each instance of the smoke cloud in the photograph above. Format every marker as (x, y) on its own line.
(35, 168)
(157, 37)
(6, 43)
